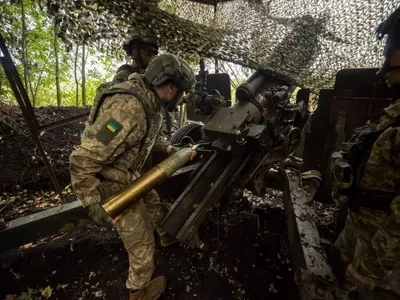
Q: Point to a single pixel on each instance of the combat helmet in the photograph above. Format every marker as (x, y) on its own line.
(123, 73)
(146, 42)
(391, 28)
(168, 67)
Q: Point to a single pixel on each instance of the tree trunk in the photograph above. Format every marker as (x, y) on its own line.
(33, 95)
(24, 48)
(83, 76)
(76, 77)
(57, 67)
(37, 86)
(1, 84)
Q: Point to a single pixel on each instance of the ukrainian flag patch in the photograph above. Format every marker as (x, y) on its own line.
(112, 127)
(107, 132)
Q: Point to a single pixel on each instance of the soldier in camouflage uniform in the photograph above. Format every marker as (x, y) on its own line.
(123, 128)
(370, 242)
(142, 50)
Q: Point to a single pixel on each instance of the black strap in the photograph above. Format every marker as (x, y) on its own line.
(376, 200)
(372, 199)
(396, 122)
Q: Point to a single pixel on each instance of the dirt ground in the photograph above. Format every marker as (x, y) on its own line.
(22, 166)
(247, 259)
(248, 247)
(20, 161)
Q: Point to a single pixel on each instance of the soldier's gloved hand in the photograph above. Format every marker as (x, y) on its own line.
(194, 153)
(362, 284)
(99, 216)
(172, 149)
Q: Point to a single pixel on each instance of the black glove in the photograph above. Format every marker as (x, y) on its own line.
(99, 216)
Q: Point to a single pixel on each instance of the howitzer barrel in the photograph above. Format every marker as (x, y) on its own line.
(247, 90)
(119, 202)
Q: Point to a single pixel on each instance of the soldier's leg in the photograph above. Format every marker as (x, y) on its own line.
(157, 211)
(389, 287)
(347, 241)
(379, 294)
(135, 229)
(342, 255)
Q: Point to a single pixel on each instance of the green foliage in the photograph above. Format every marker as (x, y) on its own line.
(41, 57)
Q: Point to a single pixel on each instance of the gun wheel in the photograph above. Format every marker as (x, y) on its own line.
(189, 133)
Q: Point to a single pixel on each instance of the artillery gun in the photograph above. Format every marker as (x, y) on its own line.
(251, 145)
(244, 141)
(256, 143)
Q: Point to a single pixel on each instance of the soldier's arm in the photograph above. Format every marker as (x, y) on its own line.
(389, 114)
(161, 144)
(120, 125)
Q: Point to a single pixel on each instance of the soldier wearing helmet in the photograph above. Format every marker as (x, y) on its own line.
(123, 128)
(370, 242)
(141, 49)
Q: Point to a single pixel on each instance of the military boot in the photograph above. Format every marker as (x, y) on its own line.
(166, 239)
(152, 290)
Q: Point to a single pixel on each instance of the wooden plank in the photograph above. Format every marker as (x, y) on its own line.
(30, 229)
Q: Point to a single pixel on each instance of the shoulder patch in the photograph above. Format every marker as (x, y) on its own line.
(108, 131)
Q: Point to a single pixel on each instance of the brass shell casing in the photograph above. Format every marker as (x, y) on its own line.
(132, 193)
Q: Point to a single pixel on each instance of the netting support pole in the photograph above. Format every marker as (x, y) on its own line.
(26, 108)
(215, 19)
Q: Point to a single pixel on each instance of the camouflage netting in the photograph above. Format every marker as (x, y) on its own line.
(307, 41)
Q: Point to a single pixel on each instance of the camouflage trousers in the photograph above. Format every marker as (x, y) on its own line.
(135, 227)
(353, 242)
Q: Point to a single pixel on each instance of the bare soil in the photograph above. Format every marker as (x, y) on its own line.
(20, 161)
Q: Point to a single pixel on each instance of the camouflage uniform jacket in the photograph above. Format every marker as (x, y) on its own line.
(381, 230)
(124, 125)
